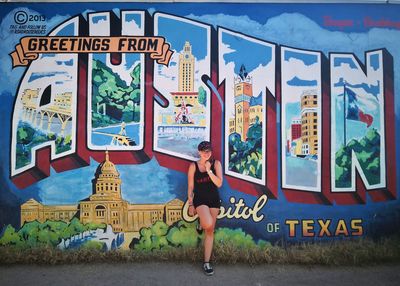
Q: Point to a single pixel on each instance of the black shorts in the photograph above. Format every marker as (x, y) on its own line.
(208, 198)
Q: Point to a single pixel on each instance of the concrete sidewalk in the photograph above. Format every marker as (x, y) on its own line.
(168, 273)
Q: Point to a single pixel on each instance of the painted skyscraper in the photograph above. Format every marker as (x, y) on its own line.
(243, 94)
(186, 69)
(309, 122)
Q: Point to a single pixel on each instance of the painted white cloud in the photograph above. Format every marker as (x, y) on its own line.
(122, 69)
(99, 27)
(131, 28)
(356, 76)
(296, 68)
(225, 49)
(165, 78)
(263, 76)
(227, 72)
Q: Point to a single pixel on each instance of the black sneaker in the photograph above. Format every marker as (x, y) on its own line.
(208, 270)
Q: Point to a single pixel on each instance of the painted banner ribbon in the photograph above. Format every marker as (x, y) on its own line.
(30, 47)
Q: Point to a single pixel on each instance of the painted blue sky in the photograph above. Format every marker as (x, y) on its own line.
(292, 112)
(307, 59)
(374, 61)
(301, 82)
(177, 33)
(67, 30)
(35, 76)
(340, 61)
(368, 88)
(130, 17)
(98, 19)
(250, 54)
(146, 183)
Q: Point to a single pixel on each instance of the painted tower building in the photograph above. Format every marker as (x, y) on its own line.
(256, 109)
(186, 69)
(243, 92)
(186, 99)
(309, 122)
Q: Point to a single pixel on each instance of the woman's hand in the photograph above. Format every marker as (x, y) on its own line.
(192, 210)
(207, 165)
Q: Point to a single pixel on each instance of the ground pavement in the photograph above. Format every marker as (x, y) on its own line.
(168, 273)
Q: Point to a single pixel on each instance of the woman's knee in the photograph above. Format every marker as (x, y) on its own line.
(209, 231)
(207, 224)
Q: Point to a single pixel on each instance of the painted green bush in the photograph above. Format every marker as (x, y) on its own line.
(50, 233)
(183, 234)
(202, 96)
(245, 157)
(367, 151)
(120, 101)
(29, 137)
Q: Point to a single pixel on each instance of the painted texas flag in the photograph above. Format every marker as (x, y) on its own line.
(353, 110)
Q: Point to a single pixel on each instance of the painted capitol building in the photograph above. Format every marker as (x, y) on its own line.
(106, 205)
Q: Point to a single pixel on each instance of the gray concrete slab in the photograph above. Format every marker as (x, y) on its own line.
(168, 273)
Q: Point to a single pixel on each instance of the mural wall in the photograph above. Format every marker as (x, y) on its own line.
(104, 104)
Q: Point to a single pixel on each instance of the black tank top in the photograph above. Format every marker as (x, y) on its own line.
(202, 181)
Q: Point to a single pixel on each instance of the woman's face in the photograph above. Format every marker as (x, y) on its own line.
(205, 155)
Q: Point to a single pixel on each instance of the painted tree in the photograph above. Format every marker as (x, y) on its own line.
(10, 237)
(153, 237)
(202, 98)
(367, 151)
(183, 235)
(113, 100)
(30, 232)
(76, 227)
(245, 157)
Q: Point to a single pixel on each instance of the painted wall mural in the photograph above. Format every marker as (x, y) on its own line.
(104, 104)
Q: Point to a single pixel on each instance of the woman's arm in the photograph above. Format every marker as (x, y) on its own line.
(191, 171)
(217, 177)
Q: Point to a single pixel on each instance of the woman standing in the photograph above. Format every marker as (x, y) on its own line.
(204, 179)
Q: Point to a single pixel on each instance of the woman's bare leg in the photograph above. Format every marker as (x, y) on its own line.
(208, 218)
